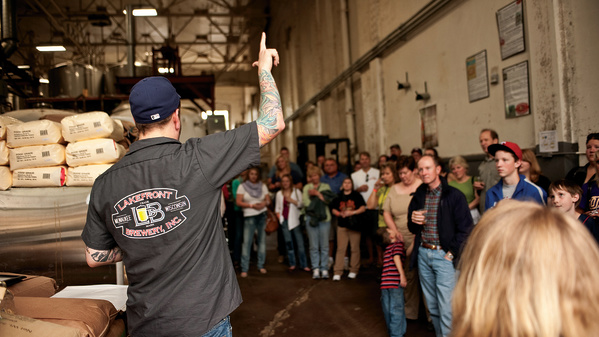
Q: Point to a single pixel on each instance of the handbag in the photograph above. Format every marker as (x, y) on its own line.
(272, 223)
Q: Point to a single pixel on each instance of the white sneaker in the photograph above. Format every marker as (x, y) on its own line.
(316, 274)
(352, 275)
(336, 277)
(346, 263)
(331, 262)
(325, 274)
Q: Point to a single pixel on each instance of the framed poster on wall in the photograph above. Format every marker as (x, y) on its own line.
(510, 24)
(478, 79)
(516, 91)
(428, 126)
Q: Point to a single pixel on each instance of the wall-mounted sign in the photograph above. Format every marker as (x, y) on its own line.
(478, 79)
(510, 23)
(515, 90)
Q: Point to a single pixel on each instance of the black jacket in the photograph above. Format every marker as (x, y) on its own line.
(454, 221)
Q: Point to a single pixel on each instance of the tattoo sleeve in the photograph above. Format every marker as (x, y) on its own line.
(105, 256)
(270, 120)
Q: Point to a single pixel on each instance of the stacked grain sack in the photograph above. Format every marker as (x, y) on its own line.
(36, 154)
(5, 174)
(92, 146)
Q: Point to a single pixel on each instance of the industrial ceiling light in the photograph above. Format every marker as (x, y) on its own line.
(51, 48)
(143, 12)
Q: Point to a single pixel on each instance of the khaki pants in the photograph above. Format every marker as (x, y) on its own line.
(345, 236)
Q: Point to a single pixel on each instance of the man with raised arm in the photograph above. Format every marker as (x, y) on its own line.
(157, 209)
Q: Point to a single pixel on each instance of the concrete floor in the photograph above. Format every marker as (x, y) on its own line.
(282, 303)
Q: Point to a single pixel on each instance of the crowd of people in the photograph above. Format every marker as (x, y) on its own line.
(414, 216)
(524, 269)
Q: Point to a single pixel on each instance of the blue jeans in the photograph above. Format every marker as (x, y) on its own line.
(393, 310)
(437, 277)
(222, 329)
(299, 240)
(319, 244)
(252, 224)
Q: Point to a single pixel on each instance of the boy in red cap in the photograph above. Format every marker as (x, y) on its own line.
(508, 158)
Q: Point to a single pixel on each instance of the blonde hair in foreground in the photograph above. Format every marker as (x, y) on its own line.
(527, 271)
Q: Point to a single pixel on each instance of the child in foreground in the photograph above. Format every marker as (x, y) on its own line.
(565, 196)
(393, 280)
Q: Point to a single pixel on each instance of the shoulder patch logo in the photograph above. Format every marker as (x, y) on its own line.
(149, 213)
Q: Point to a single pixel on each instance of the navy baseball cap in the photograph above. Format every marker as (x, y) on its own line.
(153, 99)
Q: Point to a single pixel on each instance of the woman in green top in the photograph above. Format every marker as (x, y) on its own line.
(465, 183)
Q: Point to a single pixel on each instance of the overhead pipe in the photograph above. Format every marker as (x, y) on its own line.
(9, 28)
(414, 22)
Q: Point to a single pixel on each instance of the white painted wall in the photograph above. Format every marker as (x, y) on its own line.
(561, 49)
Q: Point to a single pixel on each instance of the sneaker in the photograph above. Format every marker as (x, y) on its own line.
(336, 277)
(316, 274)
(331, 262)
(346, 263)
(325, 274)
(352, 275)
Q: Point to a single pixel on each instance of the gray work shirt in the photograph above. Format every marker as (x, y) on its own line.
(161, 205)
(488, 174)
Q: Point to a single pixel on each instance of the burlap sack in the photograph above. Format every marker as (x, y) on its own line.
(37, 156)
(39, 177)
(4, 153)
(85, 175)
(91, 125)
(4, 121)
(94, 151)
(5, 178)
(33, 133)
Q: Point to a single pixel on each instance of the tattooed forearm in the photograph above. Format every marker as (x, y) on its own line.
(270, 120)
(105, 256)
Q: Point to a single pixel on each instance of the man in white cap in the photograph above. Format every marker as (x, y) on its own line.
(157, 209)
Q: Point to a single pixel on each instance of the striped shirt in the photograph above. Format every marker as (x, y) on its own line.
(390, 277)
(430, 231)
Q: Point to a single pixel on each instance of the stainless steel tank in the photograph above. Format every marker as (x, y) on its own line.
(74, 79)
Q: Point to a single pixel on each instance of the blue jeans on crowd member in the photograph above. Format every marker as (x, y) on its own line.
(291, 247)
(437, 277)
(319, 244)
(238, 239)
(393, 309)
(252, 224)
(222, 329)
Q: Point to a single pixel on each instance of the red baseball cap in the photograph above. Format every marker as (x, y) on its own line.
(506, 146)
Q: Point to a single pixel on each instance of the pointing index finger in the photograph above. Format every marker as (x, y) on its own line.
(263, 42)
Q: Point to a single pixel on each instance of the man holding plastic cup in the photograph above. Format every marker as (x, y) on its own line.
(440, 218)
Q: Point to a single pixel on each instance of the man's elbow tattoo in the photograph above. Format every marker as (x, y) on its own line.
(108, 256)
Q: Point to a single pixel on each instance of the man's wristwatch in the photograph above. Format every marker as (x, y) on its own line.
(450, 255)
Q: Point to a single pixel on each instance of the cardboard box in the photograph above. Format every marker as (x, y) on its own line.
(20, 326)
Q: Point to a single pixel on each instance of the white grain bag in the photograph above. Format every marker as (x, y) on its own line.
(39, 177)
(94, 151)
(85, 175)
(40, 132)
(4, 153)
(4, 121)
(90, 125)
(5, 178)
(37, 156)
